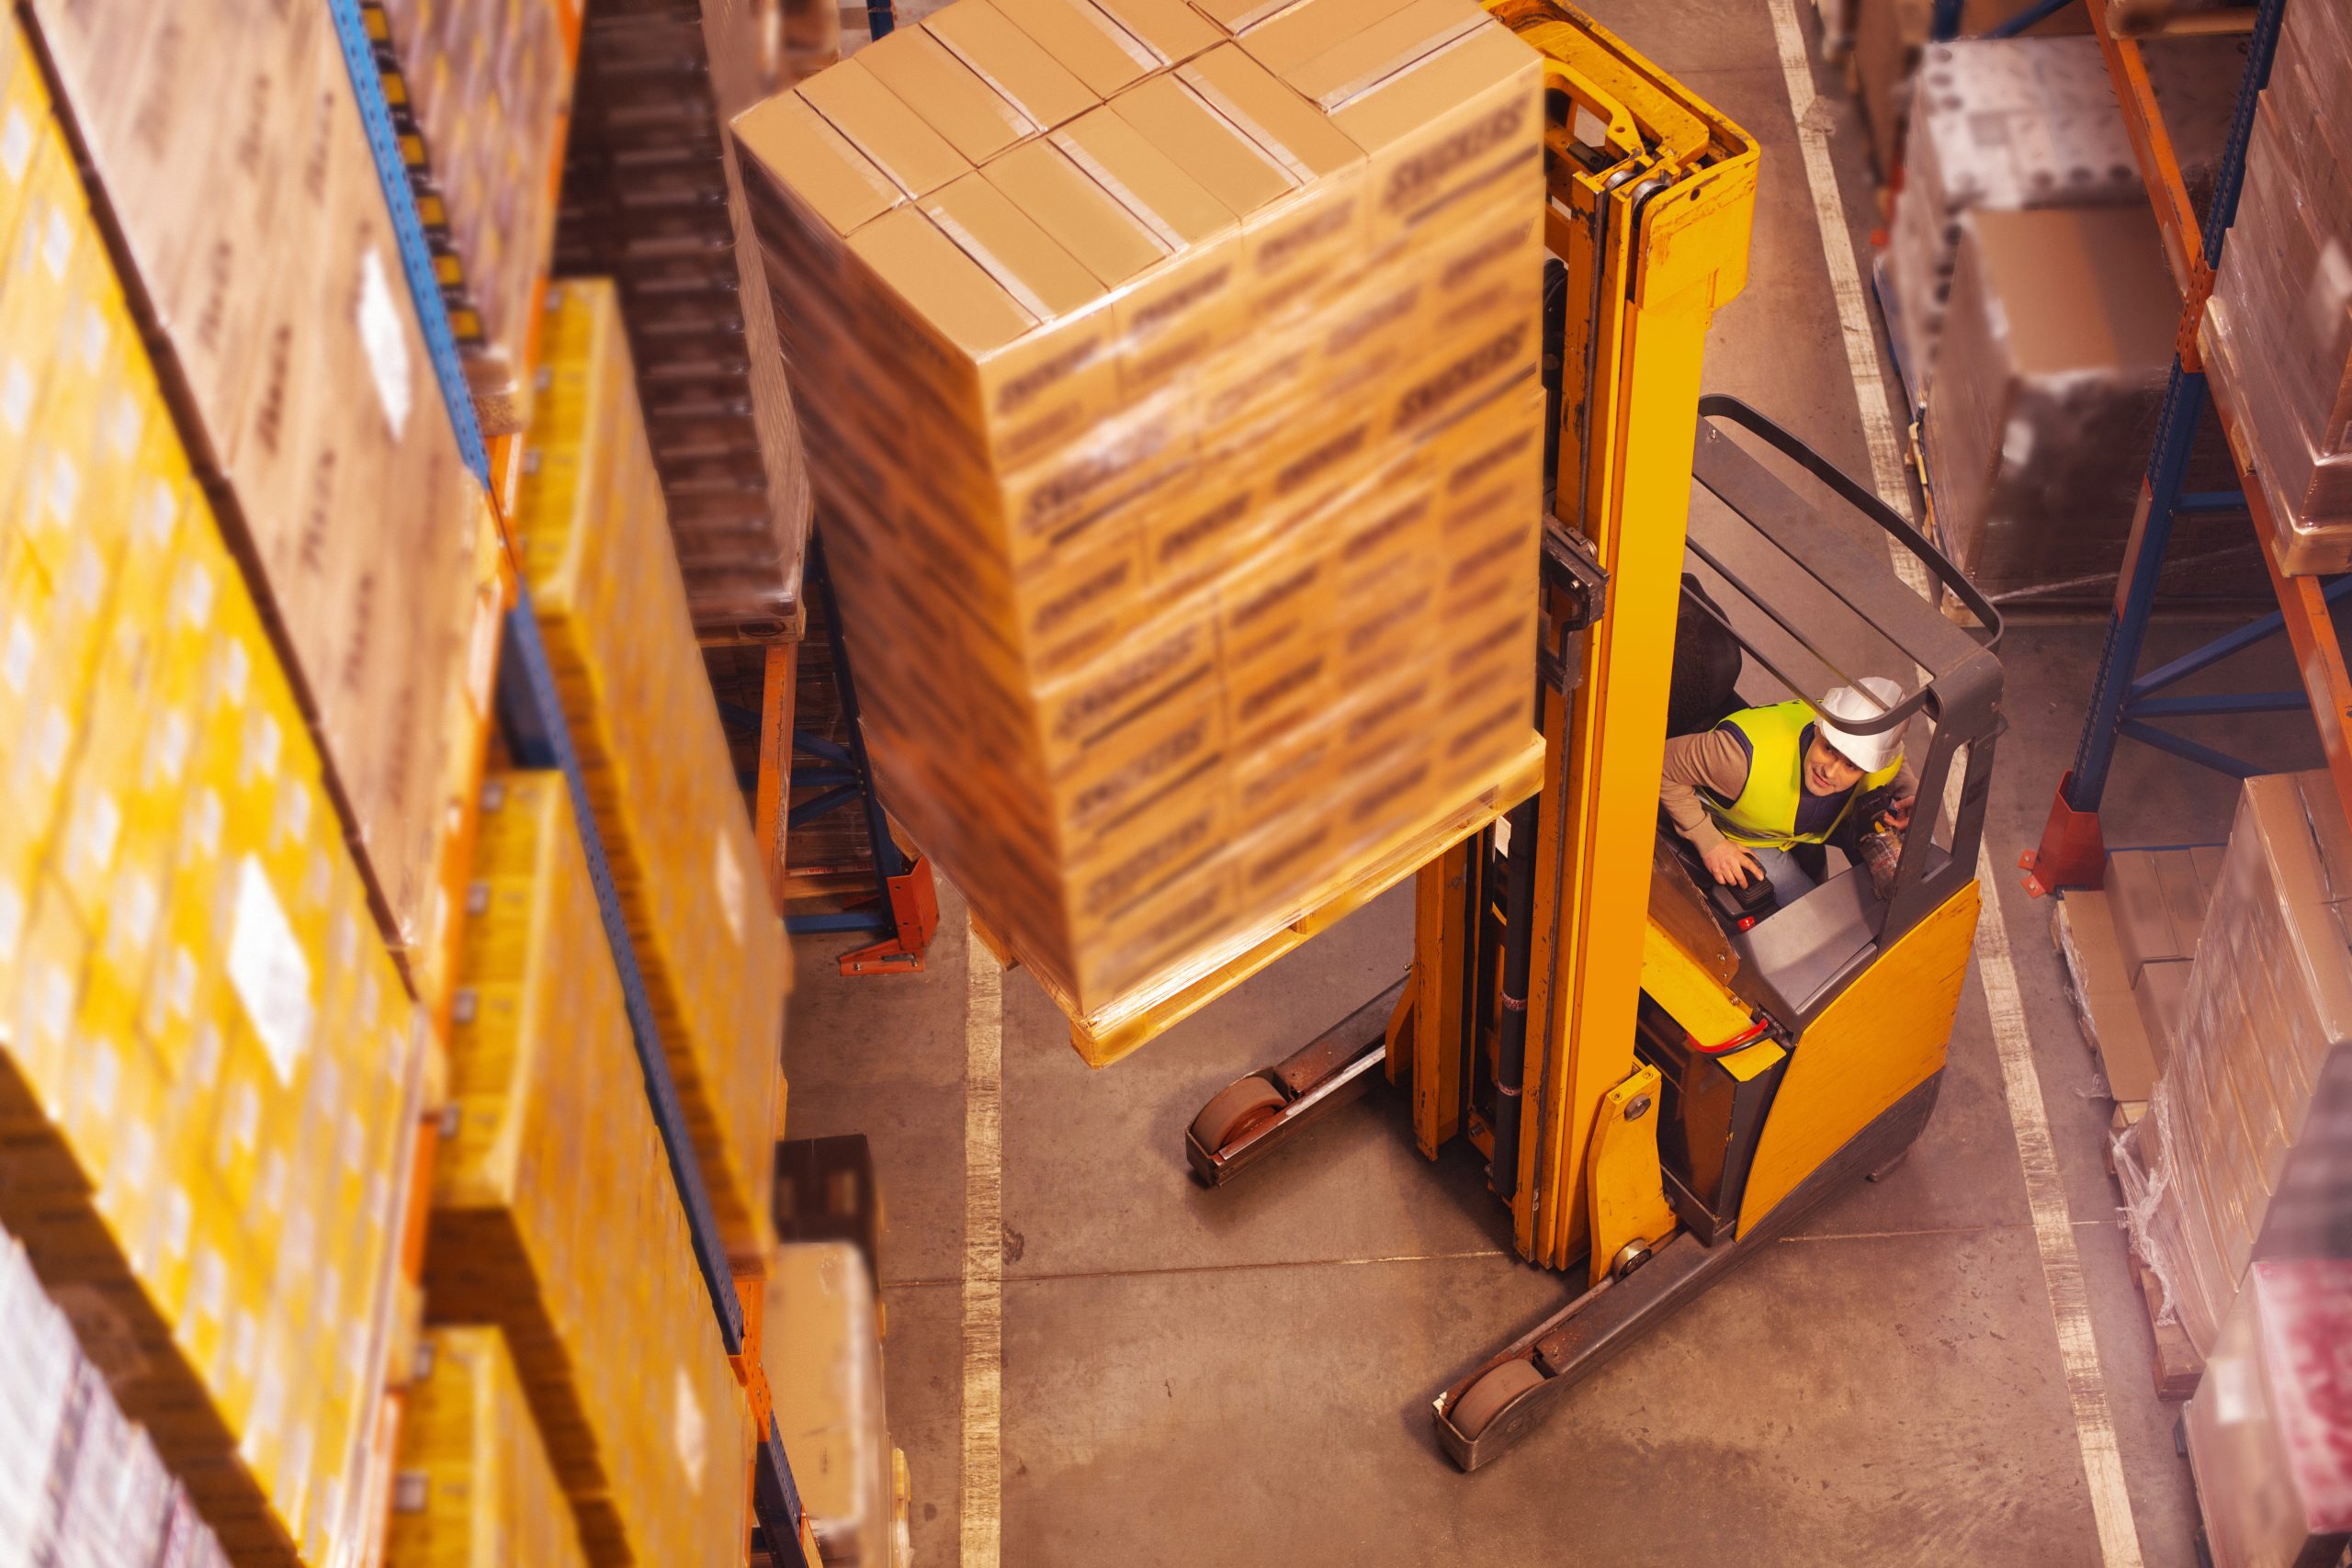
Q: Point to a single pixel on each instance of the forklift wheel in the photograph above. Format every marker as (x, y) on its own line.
(1485, 1400)
(1234, 1110)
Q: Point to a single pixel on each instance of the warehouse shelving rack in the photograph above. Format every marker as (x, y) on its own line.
(530, 714)
(2125, 702)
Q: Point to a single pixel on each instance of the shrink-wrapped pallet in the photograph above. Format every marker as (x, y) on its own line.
(2279, 326)
(2049, 383)
(2012, 124)
(1179, 443)
(2269, 1008)
(653, 199)
(483, 85)
(606, 586)
(78, 1482)
(554, 1213)
(227, 137)
(475, 1489)
(2269, 1429)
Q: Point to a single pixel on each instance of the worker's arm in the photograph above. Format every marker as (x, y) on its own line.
(1713, 760)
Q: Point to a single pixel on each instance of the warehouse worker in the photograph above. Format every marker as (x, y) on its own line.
(1761, 793)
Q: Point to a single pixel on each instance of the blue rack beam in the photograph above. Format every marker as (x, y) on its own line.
(531, 712)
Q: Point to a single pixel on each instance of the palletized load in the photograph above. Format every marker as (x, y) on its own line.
(1171, 392)
(2279, 327)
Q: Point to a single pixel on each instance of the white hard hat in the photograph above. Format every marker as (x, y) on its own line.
(1868, 752)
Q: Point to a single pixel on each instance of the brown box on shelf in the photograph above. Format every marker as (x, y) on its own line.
(588, 523)
(653, 197)
(1157, 357)
(2269, 998)
(2277, 329)
(2049, 382)
(487, 83)
(552, 1185)
(267, 254)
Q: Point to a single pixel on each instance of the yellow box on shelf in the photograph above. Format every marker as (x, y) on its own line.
(597, 555)
(554, 1216)
(207, 1067)
(475, 1488)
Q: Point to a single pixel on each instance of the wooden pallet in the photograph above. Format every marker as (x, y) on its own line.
(2175, 1366)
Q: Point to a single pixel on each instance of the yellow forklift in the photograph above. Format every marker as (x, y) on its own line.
(1657, 1098)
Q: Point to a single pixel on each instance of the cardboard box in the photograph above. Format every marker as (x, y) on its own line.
(2267, 1000)
(1020, 69)
(2268, 1423)
(1167, 358)
(484, 85)
(647, 204)
(595, 551)
(552, 1182)
(2060, 325)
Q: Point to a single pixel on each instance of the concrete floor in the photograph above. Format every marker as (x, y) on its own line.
(1243, 1376)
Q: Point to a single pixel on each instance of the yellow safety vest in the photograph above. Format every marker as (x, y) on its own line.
(1765, 814)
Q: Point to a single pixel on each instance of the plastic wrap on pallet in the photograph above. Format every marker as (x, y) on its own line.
(79, 1483)
(1890, 37)
(2269, 1429)
(2268, 1010)
(475, 1488)
(606, 587)
(1220, 357)
(229, 141)
(653, 199)
(555, 1217)
(209, 1082)
(2279, 326)
(487, 86)
(2050, 382)
(2013, 124)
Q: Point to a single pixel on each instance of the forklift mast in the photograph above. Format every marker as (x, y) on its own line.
(1651, 194)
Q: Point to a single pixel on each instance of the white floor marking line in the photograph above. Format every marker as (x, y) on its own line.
(1845, 278)
(983, 1254)
(2053, 1231)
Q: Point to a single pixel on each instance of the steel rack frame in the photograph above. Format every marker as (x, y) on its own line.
(2125, 702)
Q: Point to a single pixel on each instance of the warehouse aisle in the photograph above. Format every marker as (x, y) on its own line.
(1243, 1376)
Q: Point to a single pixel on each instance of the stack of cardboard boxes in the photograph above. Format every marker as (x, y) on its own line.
(2128, 947)
(479, 91)
(1890, 37)
(78, 1482)
(227, 137)
(606, 586)
(555, 1217)
(475, 1488)
(2277, 329)
(1173, 378)
(2270, 1429)
(212, 1072)
(2269, 998)
(2034, 315)
(653, 199)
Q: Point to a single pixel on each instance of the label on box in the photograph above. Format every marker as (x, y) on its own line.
(692, 1430)
(728, 874)
(387, 345)
(16, 142)
(266, 966)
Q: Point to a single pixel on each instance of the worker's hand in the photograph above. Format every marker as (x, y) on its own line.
(1731, 864)
(1897, 816)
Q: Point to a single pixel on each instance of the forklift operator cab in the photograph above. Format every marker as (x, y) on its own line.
(1655, 1092)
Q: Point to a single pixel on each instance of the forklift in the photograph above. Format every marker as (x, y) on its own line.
(1656, 1099)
